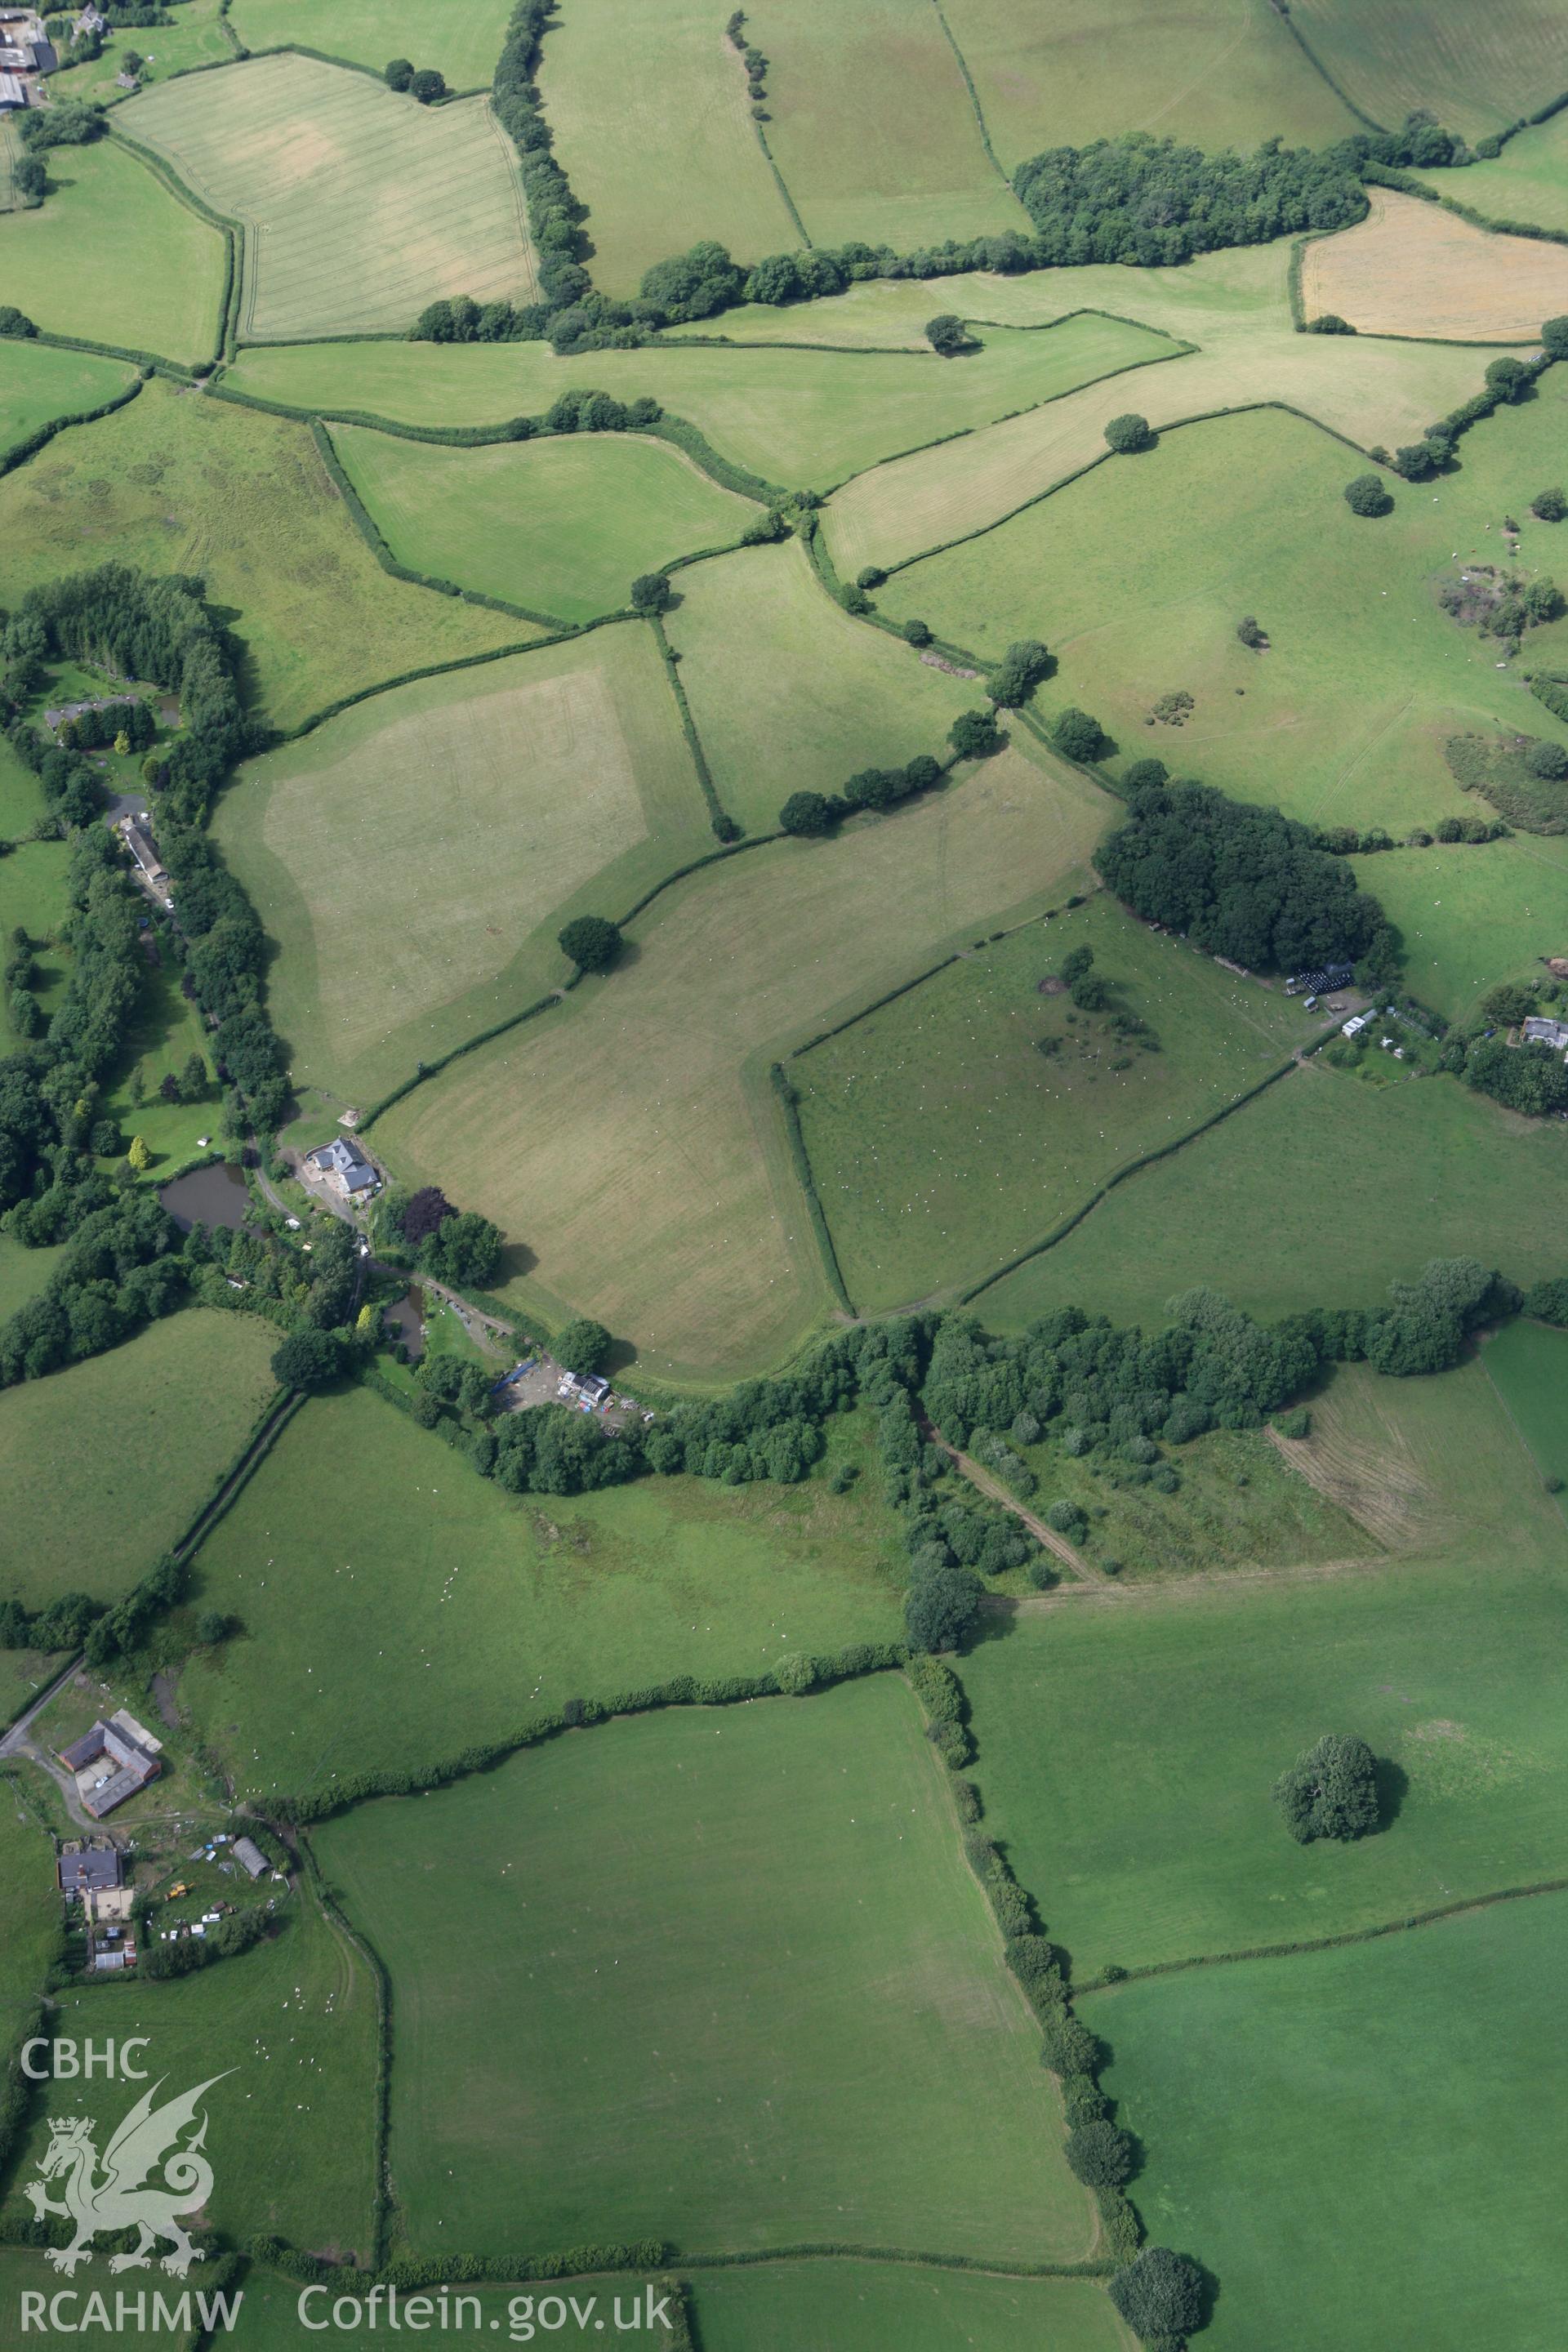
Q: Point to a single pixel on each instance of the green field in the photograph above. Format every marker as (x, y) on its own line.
(32, 1904)
(1528, 182)
(23, 1273)
(704, 1996)
(359, 206)
(155, 285)
(105, 1463)
(33, 898)
(1320, 1193)
(167, 1030)
(803, 417)
(1527, 1363)
(462, 42)
(942, 1138)
(38, 385)
(1470, 918)
(847, 2306)
(1366, 2145)
(1478, 71)
(631, 1140)
(561, 528)
(192, 37)
(533, 787)
(398, 1608)
(179, 483)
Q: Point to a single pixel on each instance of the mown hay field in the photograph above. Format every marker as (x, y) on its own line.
(398, 1608)
(630, 1139)
(853, 2307)
(39, 384)
(726, 1964)
(1527, 1363)
(1391, 1175)
(803, 417)
(652, 124)
(1137, 574)
(790, 693)
(463, 43)
(177, 482)
(1528, 182)
(1478, 69)
(943, 1136)
(1221, 73)
(426, 846)
(106, 1463)
(1413, 268)
(562, 527)
(1366, 2144)
(359, 206)
(155, 285)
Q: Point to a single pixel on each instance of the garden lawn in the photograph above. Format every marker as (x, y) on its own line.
(290, 2026)
(942, 1137)
(1527, 1363)
(167, 1030)
(533, 788)
(1528, 182)
(1478, 71)
(849, 2306)
(398, 1608)
(707, 1974)
(1321, 1192)
(631, 1140)
(1366, 2145)
(1412, 268)
(105, 1463)
(32, 1904)
(561, 527)
(464, 43)
(176, 482)
(359, 206)
(39, 384)
(155, 285)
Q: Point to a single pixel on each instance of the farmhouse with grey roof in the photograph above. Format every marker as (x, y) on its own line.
(344, 1167)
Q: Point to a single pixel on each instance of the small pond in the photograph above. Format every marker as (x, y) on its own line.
(407, 1318)
(215, 1195)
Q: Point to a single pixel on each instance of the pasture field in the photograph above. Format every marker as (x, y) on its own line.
(1412, 268)
(292, 2026)
(534, 787)
(804, 417)
(1137, 574)
(193, 36)
(1320, 1193)
(761, 1916)
(166, 1031)
(22, 1274)
(463, 43)
(359, 206)
(1221, 73)
(849, 2306)
(1528, 182)
(33, 898)
(1478, 72)
(873, 129)
(1484, 915)
(398, 1608)
(1367, 2144)
(155, 285)
(105, 1463)
(949, 1129)
(653, 129)
(38, 385)
(562, 527)
(32, 1902)
(632, 1140)
(179, 483)
(750, 631)
(1527, 1363)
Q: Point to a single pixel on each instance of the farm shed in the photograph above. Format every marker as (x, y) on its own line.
(249, 1856)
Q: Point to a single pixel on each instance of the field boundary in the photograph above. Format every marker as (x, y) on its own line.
(979, 110)
(1321, 69)
(718, 817)
(231, 230)
(789, 1109)
(382, 2201)
(40, 438)
(830, 2251)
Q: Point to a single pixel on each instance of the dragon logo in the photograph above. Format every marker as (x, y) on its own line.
(121, 2195)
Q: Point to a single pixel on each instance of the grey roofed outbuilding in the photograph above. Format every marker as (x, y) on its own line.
(250, 1856)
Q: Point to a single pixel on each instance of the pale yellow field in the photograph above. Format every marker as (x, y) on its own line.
(1412, 268)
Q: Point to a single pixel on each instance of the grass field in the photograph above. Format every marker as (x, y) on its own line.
(1412, 268)
(944, 1140)
(1528, 182)
(847, 2306)
(1478, 72)
(1137, 574)
(155, 285)
(631, 1140)
(23, 1273)
(653, 129)
(32, 1904)
(1366, 2145)
(179, 483)
(788, 692)
(193, 36)
(398, 1607)
(1527, 1363)
(1483, 916)
(463, 43)
(534, 787)
(561, 528)
(291, 2024)
(359, 206)
(1320, 1193)
(806, 417)
(703, 1999)
(38, 385)
(106, 1461)
(33, 898)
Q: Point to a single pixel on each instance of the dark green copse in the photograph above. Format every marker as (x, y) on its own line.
(945, 333)
(592, 941)
(650, 592)
(940, 1605)
(1331, 1792)
(974, 735)
(1018, 674)
(307, 1359)
(1368, 495)
(807, 814)
(1555, 337)
(1160, 2295)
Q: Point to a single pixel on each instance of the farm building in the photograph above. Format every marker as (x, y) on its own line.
(1547, 1032)
(589, 1389)
(249, 1857)
(140, 843)
(89, 1869)
(1320, 980)
(111, 1761)
(12, 92)
(344, 1167)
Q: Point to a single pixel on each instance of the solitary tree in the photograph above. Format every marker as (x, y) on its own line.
(427, 85)
(1078, 736)
(14, 323)
(650, 592)
(592, 941)
(399, 73)
(940, 1605)
(916, 633)
(1548, 761)
(1331, 1790)
(140, 1155)
(945, 333)
(1129, 434)
(1017, 673)
(581, 1346)
(1328, 323)
(1368, 495)
(1548, 506)
(1160, 2295)
(212, 1627)
(1251, 633)
(975, 734)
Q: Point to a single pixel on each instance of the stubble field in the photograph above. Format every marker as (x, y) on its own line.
(1413, 268)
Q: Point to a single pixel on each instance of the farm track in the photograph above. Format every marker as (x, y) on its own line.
(995, 1492)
